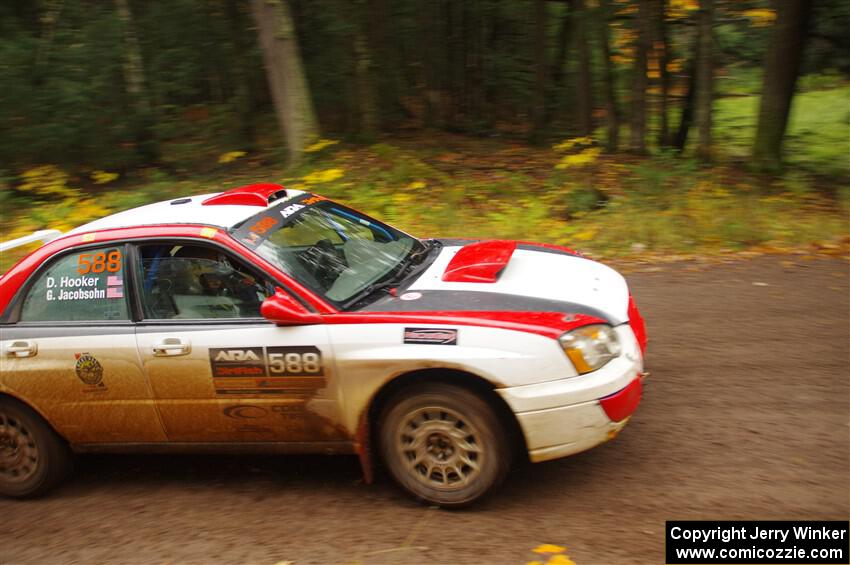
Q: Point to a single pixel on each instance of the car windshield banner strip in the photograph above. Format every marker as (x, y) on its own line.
(258, 228)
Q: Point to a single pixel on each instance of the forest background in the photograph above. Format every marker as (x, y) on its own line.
(650, 129)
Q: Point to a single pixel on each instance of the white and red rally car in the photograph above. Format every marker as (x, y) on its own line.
(274, 320)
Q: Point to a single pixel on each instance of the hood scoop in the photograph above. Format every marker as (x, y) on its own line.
(479, 262)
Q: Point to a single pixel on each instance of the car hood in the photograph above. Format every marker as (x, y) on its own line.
(511, 276)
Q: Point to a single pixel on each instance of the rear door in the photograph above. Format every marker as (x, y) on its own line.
(71, 351)
(219, 371)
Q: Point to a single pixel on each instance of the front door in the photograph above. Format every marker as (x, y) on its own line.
(219, 371)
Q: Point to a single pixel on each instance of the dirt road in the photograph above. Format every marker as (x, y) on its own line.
(745, 416)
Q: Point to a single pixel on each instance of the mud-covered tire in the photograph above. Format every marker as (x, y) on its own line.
(33, 458)
(444, 444)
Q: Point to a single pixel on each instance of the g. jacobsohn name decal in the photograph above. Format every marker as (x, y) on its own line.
(811, 542)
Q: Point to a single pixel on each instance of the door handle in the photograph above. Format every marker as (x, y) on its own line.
(24, 348)
(172, 347)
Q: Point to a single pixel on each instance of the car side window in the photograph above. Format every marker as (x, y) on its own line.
(197, 282)
(86, 285)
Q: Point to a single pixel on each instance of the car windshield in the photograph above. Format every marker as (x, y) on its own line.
(337, 252)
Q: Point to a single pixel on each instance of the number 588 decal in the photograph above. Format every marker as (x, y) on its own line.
(294, 361)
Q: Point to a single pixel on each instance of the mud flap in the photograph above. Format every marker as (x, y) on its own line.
(364, 449)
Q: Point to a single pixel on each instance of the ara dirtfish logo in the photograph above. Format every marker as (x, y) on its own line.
(237, 362)
(89, 370)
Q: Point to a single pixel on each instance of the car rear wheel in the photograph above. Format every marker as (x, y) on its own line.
(444, 444)
(33, 459)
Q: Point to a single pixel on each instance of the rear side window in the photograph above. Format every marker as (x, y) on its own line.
(84, 286)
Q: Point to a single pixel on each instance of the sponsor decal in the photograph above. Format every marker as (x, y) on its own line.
(254, 429)
(291, 209)
(312, 199)
(430, 336)
(411, 296)
(99, 262)
(294, 361)
(89, 370)
(264, 225)
(237, 362)
(245, 412)
(94, 269)
(208, 233)
(264, 371)
(87, 237)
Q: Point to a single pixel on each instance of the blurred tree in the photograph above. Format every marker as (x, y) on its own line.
(365, 110)
(661, 48)
(781, 67)
(612, 115)
(288, 85)
(585, 78)
(136, 86)
(704, 78)
(637, 133)
(541, 79)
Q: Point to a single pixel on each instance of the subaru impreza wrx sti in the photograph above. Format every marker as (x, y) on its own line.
(263, 319)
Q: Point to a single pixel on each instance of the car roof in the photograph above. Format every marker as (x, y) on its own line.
(220, 209)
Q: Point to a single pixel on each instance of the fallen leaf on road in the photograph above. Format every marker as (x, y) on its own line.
(548, 548)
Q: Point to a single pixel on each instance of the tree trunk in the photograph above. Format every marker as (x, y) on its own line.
(538, 110)
(681, 137)
(367, 112)
(386, 63)
(134, 78)
(637, 135)
(244, 99)
(584, 100)
(557, 71)
(780, 75)
(612, 114)
(662, 48)
(430, 29)
(705, 79)
(290, 93)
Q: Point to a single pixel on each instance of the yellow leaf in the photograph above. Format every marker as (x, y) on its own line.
(103, 177)
(560, 560)
(760, 17)
(319, 177)
(230, 156)
(416, 185)
(548, 548)
(586, 234)
(319, 145)
(584, 157)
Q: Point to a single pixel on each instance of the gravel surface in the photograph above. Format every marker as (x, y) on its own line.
(745, 416)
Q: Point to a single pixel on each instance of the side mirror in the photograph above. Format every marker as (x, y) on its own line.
(283, 310)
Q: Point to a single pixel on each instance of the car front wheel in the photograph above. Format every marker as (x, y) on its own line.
(444, 444)
(33, 459)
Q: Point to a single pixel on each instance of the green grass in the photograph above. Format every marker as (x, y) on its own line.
(818, 136)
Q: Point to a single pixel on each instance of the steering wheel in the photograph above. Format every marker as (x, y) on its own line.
(324, 261)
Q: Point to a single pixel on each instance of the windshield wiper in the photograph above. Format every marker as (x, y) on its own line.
(413, 265)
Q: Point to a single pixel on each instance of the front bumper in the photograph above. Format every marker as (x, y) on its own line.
(559, 418)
